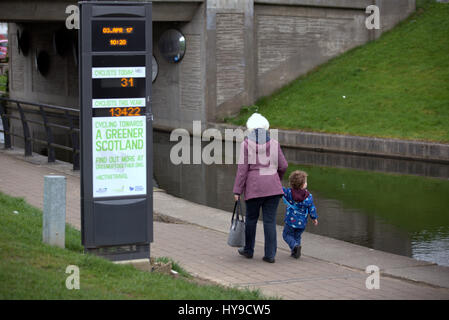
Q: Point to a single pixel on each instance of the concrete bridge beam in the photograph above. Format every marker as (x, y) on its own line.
(54, 10)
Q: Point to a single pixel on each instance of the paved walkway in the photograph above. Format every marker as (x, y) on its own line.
(328, 269)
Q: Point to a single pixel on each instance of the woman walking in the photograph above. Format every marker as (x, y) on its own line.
(260, 170)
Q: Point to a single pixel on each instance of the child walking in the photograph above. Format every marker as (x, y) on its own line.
(300, 205)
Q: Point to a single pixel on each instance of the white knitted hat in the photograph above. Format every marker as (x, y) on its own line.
(257, 121)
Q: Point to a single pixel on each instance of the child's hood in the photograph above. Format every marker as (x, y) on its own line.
(300, 195)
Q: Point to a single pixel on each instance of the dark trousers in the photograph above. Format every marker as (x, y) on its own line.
(269, 206)
(292, 236)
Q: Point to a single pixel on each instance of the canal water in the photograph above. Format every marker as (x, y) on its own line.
(392, 205)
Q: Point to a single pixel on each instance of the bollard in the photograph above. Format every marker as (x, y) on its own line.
(53, 227)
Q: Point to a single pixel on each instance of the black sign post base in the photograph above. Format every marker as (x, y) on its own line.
(121, 253)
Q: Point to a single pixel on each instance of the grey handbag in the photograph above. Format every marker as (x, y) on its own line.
(237, 230)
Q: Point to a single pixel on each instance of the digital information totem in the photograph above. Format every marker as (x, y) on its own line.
(116, 129)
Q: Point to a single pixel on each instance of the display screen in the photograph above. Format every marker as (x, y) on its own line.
(118, 77)
(125, 112)
(118, 88)
(118, 85)
(118, 35)
(119, 112)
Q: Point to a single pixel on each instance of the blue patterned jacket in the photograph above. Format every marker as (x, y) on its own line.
(297, 212)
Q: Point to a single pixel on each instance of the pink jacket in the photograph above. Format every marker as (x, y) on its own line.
(260, 171)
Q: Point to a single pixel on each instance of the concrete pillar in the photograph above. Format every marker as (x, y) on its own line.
(53, 227)
(230, 62)
(393, 12)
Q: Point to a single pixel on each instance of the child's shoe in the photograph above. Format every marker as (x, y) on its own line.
(296, 252)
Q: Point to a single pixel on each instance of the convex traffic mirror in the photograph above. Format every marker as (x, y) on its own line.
(62, 41)
(172, 45)
(23, 42)
(42, 62)
(155, 69)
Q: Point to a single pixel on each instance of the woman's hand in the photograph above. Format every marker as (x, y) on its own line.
(236, 197)
(315, 222)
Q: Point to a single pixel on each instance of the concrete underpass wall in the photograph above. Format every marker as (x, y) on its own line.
(292, 40)
(231, 76)
(393, 12)
(236, 52)
(284, 39)
(59, 86)
(179, 90)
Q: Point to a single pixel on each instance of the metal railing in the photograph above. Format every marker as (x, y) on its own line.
(45, 112)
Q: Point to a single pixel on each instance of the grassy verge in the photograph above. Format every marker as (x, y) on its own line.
(394, 87)
(30, 269)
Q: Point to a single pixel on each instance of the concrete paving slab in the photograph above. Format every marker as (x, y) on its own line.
(431, 274)
(355, 256)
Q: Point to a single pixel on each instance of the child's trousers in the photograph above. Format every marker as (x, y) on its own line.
(292, 236)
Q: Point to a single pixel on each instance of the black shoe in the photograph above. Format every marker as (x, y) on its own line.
(269, 260)
(297, 250)
(294, 251)
(244, 253)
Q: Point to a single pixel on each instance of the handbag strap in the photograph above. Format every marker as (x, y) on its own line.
(238, 210)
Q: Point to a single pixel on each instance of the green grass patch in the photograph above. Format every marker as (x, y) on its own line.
(411, 203)
(30, 269)
(394, 87)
